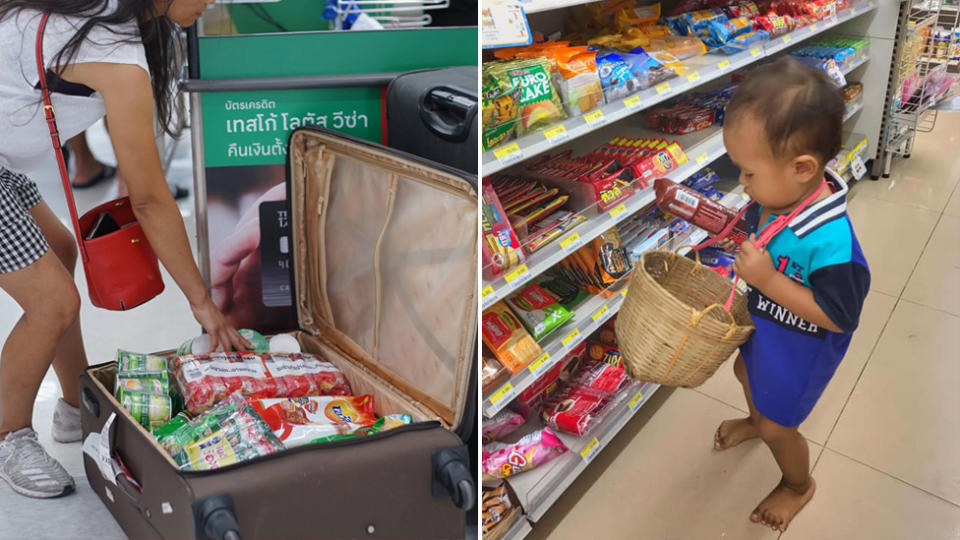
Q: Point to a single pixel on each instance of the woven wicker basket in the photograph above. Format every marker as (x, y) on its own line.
(672, 328)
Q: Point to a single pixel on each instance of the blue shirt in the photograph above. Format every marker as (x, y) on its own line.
(790, 360)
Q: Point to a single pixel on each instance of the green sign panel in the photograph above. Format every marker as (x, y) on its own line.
(252, 128)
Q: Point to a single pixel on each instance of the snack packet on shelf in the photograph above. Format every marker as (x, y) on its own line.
(206, 379)
(502, 424)
(616, 75)
(572, 412)
(494, 373)
(599, 378)
(577, 80)
(540, 103)
(501, 247)
(498, 510)
(500, 107)
(502, 460)
(299, 421)
(538, 310)
(507, 338)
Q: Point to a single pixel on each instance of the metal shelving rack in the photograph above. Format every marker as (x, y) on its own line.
(912, 61)
(540, 488)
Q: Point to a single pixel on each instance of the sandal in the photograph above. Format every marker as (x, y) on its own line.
(105, 174)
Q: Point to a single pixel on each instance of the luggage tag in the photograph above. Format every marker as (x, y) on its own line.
(275, 258)
(97, 446)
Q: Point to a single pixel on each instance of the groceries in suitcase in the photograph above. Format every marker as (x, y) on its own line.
(502, 460)
(143, 388)
(203, 345)
(206, 379)
(299, 421)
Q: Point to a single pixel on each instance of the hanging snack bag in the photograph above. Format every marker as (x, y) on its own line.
(506, 460)
(502, 424)
(577, 79)
(507, 338)
(298, 421)
(500, 107)
(616, 77)
(540, 103)
(538, 310)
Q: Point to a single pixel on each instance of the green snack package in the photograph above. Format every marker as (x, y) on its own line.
(540, 103)
(538, 310)
(147, 382)
(500, 107)
(175, 424)
(136, 362)
(149, 410)
(179, 435)
(387, 423)
(260, 343)
(242, 435)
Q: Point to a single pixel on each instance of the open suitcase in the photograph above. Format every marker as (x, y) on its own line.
(384, 248)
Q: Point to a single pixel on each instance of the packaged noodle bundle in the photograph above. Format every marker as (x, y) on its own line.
(206, 379)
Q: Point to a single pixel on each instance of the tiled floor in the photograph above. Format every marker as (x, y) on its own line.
(884, 438)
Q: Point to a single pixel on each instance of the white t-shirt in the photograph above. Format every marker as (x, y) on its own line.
(24, 136)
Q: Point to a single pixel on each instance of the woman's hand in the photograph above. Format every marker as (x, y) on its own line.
(220, 331)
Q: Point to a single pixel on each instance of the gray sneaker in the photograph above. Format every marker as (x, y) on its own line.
(66, 423)
(29, 469)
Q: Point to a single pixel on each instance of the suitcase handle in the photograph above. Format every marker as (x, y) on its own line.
(448, 112)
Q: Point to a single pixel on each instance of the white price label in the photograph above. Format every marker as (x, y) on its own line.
(858, 167)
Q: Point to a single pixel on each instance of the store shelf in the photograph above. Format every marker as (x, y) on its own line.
(538, 6)
(707, 68)
(538, 489)
(700, 154)
(588, 317)
(519, 530)
(932, 60)
(846, 69)
(852, 110)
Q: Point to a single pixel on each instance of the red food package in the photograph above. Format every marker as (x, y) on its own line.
(608, 354)
(205, 380)
(698, 209)
(599, 379)
(572, 411)
(542, 385)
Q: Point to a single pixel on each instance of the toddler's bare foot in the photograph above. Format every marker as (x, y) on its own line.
(781, 505)
(733, 432)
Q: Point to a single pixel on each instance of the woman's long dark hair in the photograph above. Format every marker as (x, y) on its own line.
(157, 32)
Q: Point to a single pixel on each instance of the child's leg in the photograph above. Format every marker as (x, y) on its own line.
(70, 359)
(50, 303)
(735, 431)
(792, 453)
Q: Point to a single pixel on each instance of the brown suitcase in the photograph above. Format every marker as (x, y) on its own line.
(385, 250)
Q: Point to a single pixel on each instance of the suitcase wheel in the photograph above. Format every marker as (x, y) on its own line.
(451, 477)
(215, 519)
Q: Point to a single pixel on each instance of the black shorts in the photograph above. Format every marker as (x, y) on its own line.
(21, 242)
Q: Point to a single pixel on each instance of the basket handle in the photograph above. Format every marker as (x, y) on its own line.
(675, 252)
(695, 319)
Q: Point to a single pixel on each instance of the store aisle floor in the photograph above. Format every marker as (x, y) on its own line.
(884, 438)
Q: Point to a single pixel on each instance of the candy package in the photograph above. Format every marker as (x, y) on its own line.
(538, 310)
(852, 91)
(498, 511)
(598, 264)
(577, 80)
(501, 248)
(493, 371)
(500, 107)
(206, 379)
(635, 16)
(697, 209)
(743, 9)
(507, 338)
(572, 412)
(502, 424)
(682, 47)
(723, 30)
(702, 179)
(599, 378)
(744, 41)
(505, 460)
(608, 354)
(551, 227)
(549, 381)
(299, 421)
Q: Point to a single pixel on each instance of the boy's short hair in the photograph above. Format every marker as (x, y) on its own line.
(800, 108)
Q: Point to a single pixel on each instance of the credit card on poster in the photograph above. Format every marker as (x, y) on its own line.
(275, 254)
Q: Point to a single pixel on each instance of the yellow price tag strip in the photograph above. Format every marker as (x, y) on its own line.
(539, 363)
(694, 77)
(621, 208)
(724, 64)
(504, 392)
(595, 117)
(814, 26)
(556, 134)
(508, 153)
(570, 337)
(755, 51)
(623, 293)
(663, 87)
(787, 38)
(516, 273)
(570, 240)
(701, 158)
(636, 399)
(590, 450)
(632, 102)
(487, 291)
(853, 10)
(600, 313)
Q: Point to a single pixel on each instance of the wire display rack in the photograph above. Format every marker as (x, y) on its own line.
(394, 14)
(917, 82)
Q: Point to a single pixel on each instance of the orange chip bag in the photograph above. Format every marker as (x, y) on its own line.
(576, 79)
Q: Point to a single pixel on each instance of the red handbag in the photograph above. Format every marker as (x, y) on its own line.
(121, 268)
